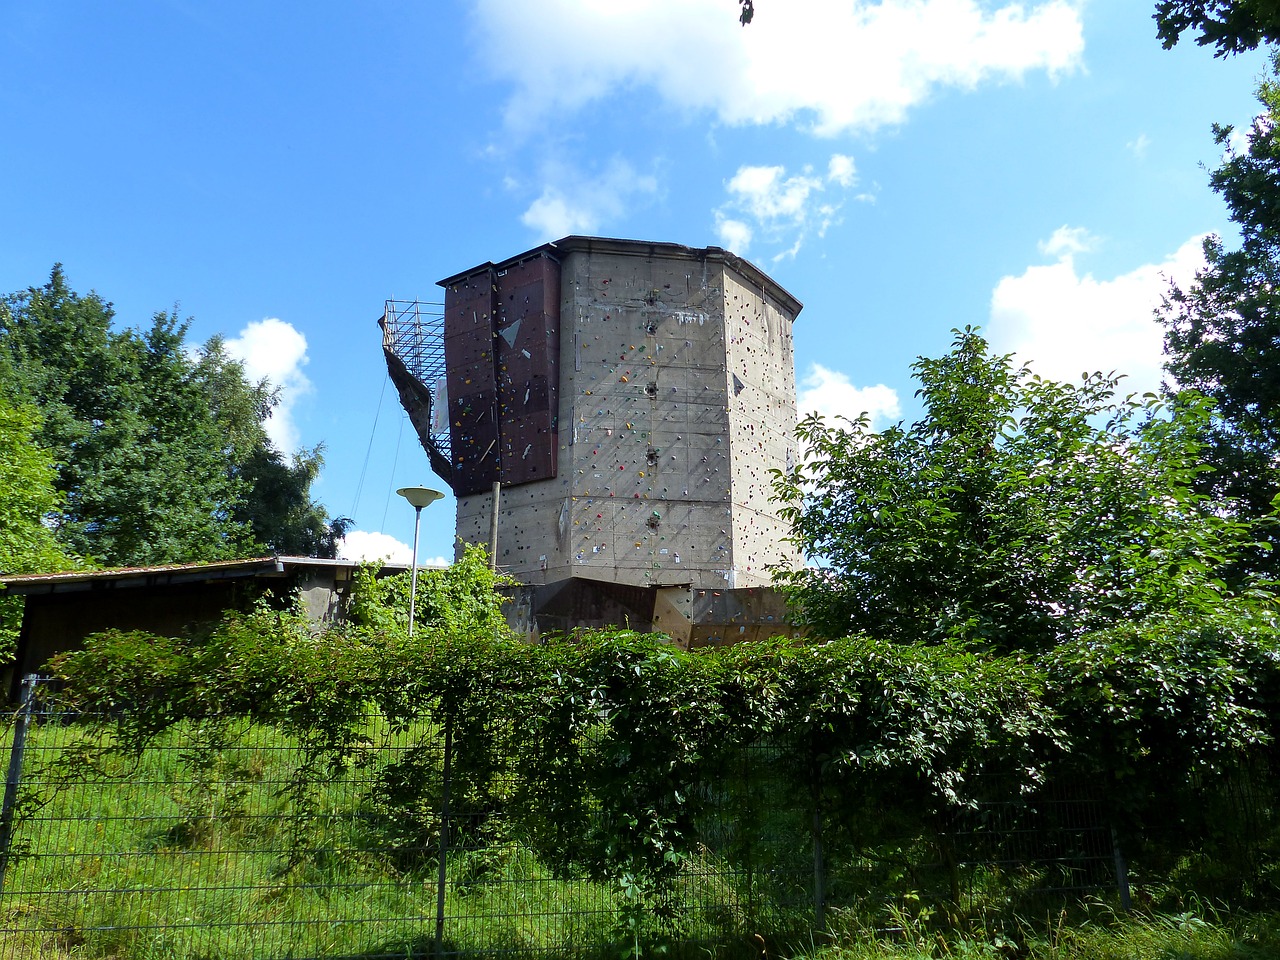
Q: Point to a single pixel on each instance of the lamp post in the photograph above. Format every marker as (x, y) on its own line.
(418, 498)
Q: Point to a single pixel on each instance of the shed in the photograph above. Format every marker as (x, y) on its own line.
(61, 609)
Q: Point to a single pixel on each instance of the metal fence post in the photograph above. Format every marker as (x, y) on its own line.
(14, 776)
(819, 860)
(1122, 870)
(444, 832)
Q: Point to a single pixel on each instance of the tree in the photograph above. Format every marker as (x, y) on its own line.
(158, 450)
(276, 504)
(1222, 333)
(1231, 26)
(278, 508)
(1016, 513)
(27, 494)
(27, 498)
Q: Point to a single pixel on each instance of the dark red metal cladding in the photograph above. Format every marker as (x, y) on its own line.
(469, 304)
(475, 445)
(468, 376)
(469, 348)
(502, 351)
(526, 449)
(528, 353)
(472, 382)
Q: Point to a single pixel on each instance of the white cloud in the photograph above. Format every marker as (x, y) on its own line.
(831, 66)
(364, 545)
(572, 202)
(841, 170)
(768, 194)
(764, 201)
(830, 393)
(273, 350)
(367, 545)
(1066, 323)
(1139, 146)
(1067, 241)
(734, 234)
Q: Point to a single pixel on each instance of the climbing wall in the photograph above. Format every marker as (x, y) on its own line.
(649, 424)
(762, 425)
(643, 486)
(502, 349)
(472, 381)
(527, 347)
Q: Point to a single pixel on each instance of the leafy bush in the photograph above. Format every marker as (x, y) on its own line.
(600, 750)
(1016, 514)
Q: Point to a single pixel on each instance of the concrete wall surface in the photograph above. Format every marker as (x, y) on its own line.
(677, 396)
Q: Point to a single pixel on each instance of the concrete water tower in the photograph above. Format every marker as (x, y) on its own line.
(632, 399)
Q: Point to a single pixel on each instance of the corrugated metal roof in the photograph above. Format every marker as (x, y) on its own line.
(71, 580)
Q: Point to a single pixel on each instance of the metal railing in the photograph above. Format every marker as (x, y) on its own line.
(221, 839)
(413, 330)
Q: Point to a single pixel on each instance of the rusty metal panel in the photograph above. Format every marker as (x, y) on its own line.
(467, 378)
(475, 442)
(470, 347)
(469, 305)
(528, 452)
(473, 428)
(527, 342)
(526, 397)
(472, 382)
(502, 349)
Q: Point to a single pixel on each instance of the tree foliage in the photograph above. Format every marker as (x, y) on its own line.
(27, 500)
(1230, 26)
(1223, 329)
(27, 495)
(277, 506)
(1017, 513)
(459, 598)
(601, 748)
(608, 754)
(161, 452)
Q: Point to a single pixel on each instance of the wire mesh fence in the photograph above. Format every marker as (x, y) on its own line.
(224, 838)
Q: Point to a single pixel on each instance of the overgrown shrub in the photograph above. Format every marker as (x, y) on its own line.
(599, 749)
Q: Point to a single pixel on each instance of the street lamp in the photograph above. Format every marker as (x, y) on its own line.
(418, 498)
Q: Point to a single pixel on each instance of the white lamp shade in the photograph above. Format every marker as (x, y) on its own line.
(420, 497)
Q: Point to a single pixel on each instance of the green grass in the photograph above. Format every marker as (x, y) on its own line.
(175, 854)
(1196, 935)
(184, 854)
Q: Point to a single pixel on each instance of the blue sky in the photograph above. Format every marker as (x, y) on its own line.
(903, 167)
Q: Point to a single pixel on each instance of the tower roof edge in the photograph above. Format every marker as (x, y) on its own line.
(642, 248)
